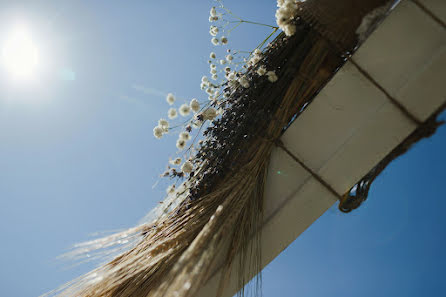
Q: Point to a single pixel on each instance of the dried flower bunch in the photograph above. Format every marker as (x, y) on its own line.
(234, 70)
(223, 173)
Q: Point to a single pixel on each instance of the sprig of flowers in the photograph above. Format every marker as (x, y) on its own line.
(286, 14)
(228, 73)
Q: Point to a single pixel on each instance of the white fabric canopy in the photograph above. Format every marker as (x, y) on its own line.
(352, 124)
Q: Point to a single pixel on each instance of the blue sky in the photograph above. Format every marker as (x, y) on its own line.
(77, 154)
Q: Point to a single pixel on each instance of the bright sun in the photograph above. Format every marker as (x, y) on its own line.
(20, 54)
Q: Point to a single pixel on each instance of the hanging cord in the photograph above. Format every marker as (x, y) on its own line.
(357, 194)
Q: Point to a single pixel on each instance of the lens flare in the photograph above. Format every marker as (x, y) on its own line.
(20, 54)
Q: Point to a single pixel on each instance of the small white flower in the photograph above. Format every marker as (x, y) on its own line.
(257, 52)
(204, 79)
(212, 55)
(222, 62)
(289, 30)
(194, 105)
(229, 58)
(213, 18)
(184, 110)
(170, 98)
(254, 60)
(244, 82)
(176, 161)
(282, 18)
(214, 41)
(227, 69)
(224, 40)
(187, 167)
(197, 124)
(213, 31)
(213, 66)
(285, 15)
(158, 132)
(181, 143)
(261, 70)
(272, 76)
(185, 136)
(209, 114)
(164, 124)
(213, 71)
(230, 76)
(213, 12)
(172, 113)
(214, 76)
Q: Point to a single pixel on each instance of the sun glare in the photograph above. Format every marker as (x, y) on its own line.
(20, 54)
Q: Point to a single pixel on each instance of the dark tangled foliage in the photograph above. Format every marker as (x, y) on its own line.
(248, 112)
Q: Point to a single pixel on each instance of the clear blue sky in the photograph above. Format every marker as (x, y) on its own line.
(77, 155)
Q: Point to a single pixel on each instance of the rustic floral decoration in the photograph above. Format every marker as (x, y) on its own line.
(215, 206)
